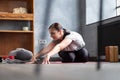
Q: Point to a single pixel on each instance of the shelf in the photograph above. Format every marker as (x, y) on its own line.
(12, 36)
(15, 31)
(11, 16)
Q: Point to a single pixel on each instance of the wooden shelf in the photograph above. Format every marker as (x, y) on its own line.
(11, 16)
(15, 31)
(12, 36)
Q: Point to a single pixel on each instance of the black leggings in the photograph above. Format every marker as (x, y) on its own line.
(74, 56)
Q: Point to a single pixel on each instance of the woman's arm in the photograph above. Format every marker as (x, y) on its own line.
(56, 49)
(43, 51)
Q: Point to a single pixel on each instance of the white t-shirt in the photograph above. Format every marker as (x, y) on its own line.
(77, 41)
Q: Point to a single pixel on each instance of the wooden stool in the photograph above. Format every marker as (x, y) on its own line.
(112, 53)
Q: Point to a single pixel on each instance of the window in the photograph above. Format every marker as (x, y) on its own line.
(118, 7)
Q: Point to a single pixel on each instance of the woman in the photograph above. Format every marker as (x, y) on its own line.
(68, 44)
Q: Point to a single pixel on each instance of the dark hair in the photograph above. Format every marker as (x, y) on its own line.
(66, 32)
(56, 26)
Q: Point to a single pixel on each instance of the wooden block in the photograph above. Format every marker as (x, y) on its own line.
(116, 53)
(107, 56)
(109, 50)
(111, 53)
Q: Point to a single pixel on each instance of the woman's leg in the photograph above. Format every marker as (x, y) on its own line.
(81, 55)
(66, 56)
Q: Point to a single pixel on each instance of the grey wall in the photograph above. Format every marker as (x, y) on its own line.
(49, 11)
(13, 25)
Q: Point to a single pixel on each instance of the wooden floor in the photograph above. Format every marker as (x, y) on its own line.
(75, 71)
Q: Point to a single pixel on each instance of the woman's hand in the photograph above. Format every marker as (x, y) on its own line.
(46, 60)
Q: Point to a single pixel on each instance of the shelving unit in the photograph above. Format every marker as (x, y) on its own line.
(15, 37)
